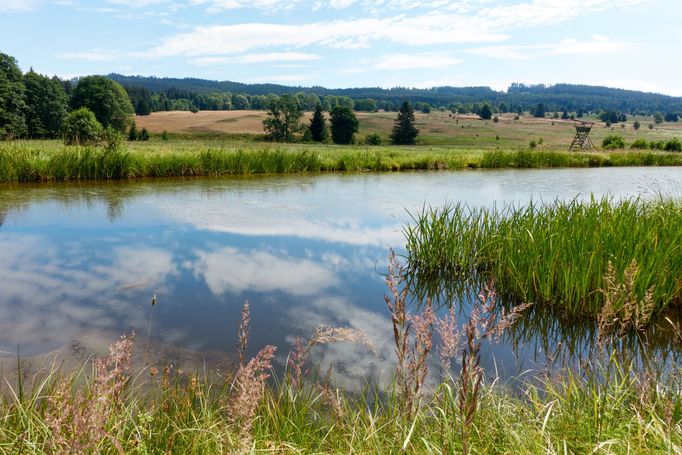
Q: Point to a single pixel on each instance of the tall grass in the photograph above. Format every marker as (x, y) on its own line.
(609, 407)
(556, 255)
(49, 161)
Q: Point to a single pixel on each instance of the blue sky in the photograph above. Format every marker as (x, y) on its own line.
(348, 43)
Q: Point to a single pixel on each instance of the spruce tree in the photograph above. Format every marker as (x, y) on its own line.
(318, 125)
(404, 131)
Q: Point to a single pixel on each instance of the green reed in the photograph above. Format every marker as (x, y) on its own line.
(555, 254)
(27, 161)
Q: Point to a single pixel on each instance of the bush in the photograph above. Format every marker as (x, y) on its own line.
(164, 135)
(112, 138)
(496, 119)
(673, 145)
(640, 144)
(613, 141)
(144, 135)
(81, 127)
(636, 125)
(533, 144)
(373, 139)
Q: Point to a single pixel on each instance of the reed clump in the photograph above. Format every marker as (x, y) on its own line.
(570, 256)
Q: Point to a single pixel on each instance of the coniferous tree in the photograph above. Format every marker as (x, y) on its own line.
(344, 124)
(404, 131)
(318, 125)
(132, 133)
(486, 112)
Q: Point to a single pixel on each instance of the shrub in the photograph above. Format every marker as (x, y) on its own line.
(144, 135)
(533, 144)
(112, 138)
(640, 144)
(132, 133)
(164, 135)
(673, 145)
(81, 127)
(373, 139)
(496, 119)
(613, 141)
(636, 125)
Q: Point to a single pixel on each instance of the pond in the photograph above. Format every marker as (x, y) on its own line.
(305, 251)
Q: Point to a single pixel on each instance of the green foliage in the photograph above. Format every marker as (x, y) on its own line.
(658, 118)
(673, 145)
(404, 129)
(164, 135)
(555, 255)
(132, 133)
(107, 99)
(12, 104)
(486, 112)
(81, 127)
(540, 111)
(613, 141)
(640, 144)
(373, 139)
(112, 139)
(284, 119)
(636, 125)
(344, 124)
(318, 125)
(565, 115)
(144, 135)
(46, 104)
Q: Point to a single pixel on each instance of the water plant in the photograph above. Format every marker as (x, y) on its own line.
(556, 255)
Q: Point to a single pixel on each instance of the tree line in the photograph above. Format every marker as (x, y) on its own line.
(517, 98)
(36, 106)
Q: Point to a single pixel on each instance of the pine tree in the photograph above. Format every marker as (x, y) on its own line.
(404, 131)
(132, 133)
(318, 125)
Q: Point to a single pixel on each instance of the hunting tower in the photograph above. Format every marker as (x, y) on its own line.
(582, 140)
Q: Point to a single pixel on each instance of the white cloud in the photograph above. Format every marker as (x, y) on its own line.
(94, 55)
(259, 58)
(232, 270)
(597, 44)
(12, 6)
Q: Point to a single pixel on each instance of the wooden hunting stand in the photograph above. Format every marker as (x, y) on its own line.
(582, 140)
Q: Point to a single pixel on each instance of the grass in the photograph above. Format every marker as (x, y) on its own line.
(609, 407)
(50, 161)
(568, 256)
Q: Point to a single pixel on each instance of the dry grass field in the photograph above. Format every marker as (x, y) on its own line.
(436, 128)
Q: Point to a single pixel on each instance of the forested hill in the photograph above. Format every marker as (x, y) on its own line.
(517, 98)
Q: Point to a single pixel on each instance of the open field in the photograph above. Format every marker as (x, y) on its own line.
(436, 128)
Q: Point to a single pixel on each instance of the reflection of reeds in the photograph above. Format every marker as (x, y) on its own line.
(609, 406)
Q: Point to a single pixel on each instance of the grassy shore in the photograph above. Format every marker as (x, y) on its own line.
(581, 259)
(51, 161)
(612, 406)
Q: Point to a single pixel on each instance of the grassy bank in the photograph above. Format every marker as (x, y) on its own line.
(610, 407)
(581, 259)
(51, 161)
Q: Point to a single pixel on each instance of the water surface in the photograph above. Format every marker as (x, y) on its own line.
(304, 250)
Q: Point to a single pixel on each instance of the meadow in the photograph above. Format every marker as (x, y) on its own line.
(212, 143)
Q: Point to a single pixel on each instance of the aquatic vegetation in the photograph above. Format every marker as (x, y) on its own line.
(47, 161)
(567, 256)
(608, 405)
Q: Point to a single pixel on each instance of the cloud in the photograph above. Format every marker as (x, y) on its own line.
(235, 271)
(259, 58)
(597, 44)
(94, 55)
(239, 38)
(14, 6)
